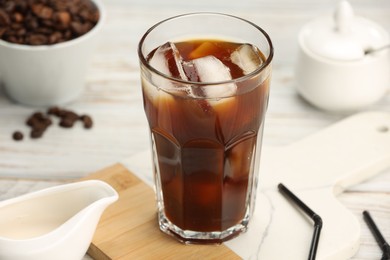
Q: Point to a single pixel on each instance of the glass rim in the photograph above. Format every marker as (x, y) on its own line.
(258, 70)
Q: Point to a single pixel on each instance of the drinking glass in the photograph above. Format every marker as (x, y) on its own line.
(205, 149)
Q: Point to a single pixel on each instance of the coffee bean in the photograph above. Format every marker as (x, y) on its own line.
(55, 37)
(36, 133)
(2, 31)
(78, 28)
(37, 39)
(15, 26)
(4, 18)
(60, 5)
(68, 118)
(61, 113)
(31, 121)
(67, 122)
(47, 24)
(47, 122)
(18, 17)
(21, 32)
(31, 24)
(17, 136)
(53, 111)
(12, 39)
(71, 115)
(87, 121)
(42, 11)
(67, 34)
(38, 115)
(36, 8)
(9, 6)
(62, 18)
(46, 13)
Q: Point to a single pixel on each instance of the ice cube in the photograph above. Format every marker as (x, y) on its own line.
(167, 60)
(190, 71)
(210, 69)
(247, 58)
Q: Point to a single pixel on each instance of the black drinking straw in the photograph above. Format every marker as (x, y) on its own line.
(378, 236)
(315, 217)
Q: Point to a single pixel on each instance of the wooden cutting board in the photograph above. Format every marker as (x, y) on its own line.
(128, 229)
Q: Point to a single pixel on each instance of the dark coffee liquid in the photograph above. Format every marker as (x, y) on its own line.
(206, 147)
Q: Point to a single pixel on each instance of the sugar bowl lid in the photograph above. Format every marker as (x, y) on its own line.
(343, 37)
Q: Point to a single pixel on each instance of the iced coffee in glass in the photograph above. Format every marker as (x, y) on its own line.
(205, 82)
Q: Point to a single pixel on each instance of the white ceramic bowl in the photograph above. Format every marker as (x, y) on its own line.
(342, 86)
(48, 74)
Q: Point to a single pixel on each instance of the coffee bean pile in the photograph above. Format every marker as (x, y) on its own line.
(39, 122)
(68, 118)
(45, 22)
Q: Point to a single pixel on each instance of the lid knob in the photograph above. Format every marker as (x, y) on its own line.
(343, 16)
(336, 39)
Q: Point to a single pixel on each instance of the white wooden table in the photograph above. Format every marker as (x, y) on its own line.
(112, 97)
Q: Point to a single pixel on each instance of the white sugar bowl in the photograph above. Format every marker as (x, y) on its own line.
(335, 70)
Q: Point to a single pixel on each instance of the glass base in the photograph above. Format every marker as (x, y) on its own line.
(196, 237)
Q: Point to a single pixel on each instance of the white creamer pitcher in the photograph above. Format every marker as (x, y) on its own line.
(54, 223)
(335, 71)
